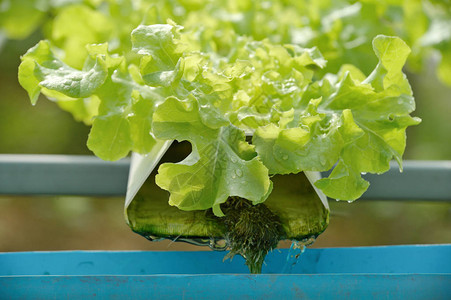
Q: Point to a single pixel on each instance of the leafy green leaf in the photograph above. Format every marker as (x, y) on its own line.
(41, 69)
(344, 183)
(141, 125)
(242, 70)
(83, 110)
(360, 125)
(27, 79)
(221, 165)
(161, 51)
(101, 93)
(73, 83)
(74, 27)
(110, 137)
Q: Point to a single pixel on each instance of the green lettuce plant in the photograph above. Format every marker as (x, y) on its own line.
(178, 91)
(342, 30)
(141, 73)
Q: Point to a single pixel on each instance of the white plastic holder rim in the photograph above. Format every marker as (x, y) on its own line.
(141, 166)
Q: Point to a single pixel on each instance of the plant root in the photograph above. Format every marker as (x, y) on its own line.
(252, 231)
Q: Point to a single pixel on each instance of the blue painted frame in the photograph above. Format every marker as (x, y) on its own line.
(389, 272)
(412, 259)
(218, 286)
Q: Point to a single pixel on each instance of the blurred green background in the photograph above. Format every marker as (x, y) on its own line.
(63, 223)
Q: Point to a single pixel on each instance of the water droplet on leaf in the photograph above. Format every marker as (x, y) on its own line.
(188, 106)
(233, 159)
(285, 157)
(239, 173)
